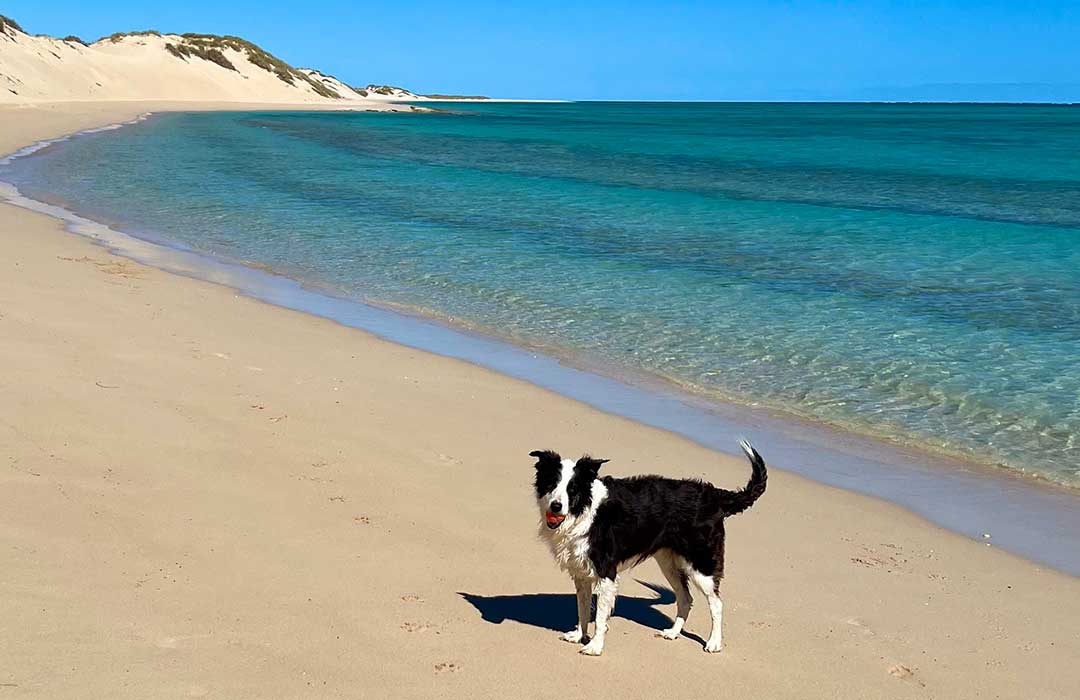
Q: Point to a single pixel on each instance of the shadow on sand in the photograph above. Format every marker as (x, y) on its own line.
(558, 611)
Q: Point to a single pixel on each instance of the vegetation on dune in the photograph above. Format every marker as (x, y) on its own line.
(261, 58)
(212, 47)
(385, 89)
(6, 22)
(388, 90)
(320, 88)
(117, 36)
(184, 51)
(328, 81)
(324, 78)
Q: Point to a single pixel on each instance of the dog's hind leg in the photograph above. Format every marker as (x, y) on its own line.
(606, 591)
(676, 578)
(710, 586)
(584, 610)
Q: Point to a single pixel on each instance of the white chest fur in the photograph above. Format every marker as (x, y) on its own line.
(569, 543)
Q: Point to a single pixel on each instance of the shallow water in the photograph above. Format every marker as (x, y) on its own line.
(910, 272)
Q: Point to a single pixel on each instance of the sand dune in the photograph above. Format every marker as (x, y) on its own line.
(153, 66)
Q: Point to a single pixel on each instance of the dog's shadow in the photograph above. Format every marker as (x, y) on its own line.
(558, 611)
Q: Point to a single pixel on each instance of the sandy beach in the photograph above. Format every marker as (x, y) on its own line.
(202, 495)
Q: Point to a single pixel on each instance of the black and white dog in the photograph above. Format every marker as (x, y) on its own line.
(597, 528)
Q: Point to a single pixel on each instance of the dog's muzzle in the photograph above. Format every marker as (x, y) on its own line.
(553, 520)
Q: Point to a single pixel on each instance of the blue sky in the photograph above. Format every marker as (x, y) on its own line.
(747, 50)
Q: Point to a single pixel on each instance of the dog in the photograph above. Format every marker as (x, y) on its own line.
(599, 527)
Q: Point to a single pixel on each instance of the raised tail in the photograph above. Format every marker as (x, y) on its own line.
(738, 501)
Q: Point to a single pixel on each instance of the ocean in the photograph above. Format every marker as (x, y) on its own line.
(910, 273)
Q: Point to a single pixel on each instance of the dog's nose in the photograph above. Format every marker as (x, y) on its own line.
(555, 507)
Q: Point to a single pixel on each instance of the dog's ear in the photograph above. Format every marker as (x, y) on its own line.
(590, 465)
(544, 457)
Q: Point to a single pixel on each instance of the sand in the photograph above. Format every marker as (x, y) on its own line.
(44, 69)
(202, 495)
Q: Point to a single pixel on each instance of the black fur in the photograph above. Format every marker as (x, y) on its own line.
(579, 490)
(548, 470)
(738, 501)
(644, 514)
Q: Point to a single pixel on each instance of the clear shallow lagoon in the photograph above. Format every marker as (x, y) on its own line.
(905, 271)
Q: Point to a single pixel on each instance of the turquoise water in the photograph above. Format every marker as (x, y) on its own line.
(905, 271)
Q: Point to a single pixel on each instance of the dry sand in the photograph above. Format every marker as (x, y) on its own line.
(205, 496)
(43, 69)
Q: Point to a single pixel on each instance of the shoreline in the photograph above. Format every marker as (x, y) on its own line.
(1026, 514)
(268, 503)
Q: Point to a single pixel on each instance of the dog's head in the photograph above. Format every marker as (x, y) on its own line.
(564, 488)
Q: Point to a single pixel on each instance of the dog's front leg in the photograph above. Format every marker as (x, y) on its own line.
(584, 607)
(606, 591)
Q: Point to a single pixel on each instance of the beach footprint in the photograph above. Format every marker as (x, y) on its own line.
(450, 459)
(447, 667)
(904, 673)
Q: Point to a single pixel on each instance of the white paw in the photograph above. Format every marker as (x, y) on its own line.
(670, 633)
(592, 649)
(573, 636)
(713, 646)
